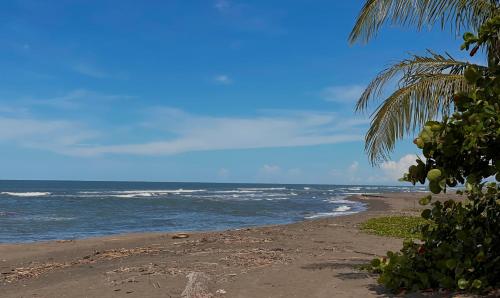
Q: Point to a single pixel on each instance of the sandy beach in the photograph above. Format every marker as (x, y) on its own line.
(314, 258)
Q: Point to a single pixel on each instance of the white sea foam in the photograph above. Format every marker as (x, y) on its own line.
(139, 193)
(342, 208)
(235, 197)
(45, 218)
(307, 188)
(277, 199)
(340, 201)
(53, 218)
(26, 194)
(160, 191)
(359, 193)
(262, 188)
(327, 214)
(134, 195)
(354, 188)
(236, 191)
(272, 194)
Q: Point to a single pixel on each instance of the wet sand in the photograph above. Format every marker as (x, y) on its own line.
(314, 258)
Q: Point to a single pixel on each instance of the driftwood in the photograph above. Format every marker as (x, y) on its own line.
(197, 286)
(180, 236)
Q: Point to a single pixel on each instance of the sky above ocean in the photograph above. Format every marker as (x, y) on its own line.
(219, 91)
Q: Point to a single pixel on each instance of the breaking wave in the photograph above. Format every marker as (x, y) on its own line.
(26, 194)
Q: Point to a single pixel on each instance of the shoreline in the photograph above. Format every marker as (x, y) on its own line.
(62, 211)
(350, 197)
(360, 198)
(319, 256)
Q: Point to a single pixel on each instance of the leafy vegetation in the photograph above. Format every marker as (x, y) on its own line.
(394, 226)
(424, 82)
(459, 247)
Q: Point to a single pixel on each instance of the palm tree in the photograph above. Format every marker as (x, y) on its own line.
(424, 83)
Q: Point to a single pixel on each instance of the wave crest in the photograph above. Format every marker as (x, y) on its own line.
(26, 194)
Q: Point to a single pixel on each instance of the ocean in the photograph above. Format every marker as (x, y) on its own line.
(48, 210)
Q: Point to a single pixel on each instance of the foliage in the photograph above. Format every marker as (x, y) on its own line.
(466, 145)
(460, 15)
(459, 247)
(423, 83)
(394, 226)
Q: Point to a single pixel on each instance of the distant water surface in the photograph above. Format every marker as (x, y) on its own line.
(48, 210)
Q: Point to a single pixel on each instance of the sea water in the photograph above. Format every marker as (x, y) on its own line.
(48, 210)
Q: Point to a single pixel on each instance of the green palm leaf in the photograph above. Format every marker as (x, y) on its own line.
(408, 71)
(425, 88)
(459, 15)
(425, 84)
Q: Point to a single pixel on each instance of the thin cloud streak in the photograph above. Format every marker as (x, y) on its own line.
(90, 71)
(249, 17)
(222, 5)
(77, 98)
(223, 79)
(188, 133)
(52, 135)
(342, 94)
(204, 133)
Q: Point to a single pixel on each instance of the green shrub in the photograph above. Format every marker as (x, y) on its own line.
(460, 246)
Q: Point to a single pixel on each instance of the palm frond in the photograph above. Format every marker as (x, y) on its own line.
(408, 71)
(425, 85)
(459, 15)
(407, 109)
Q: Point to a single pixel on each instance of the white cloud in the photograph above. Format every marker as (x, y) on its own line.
(244, 16)
(222, 5)
(174, 131)
(270, 169)
(13, 110)
(76, 98)
(394, 170)
(202, 133)
(273, 173)
(294, 172)
(223, 172)
(222, 79)
(353, 168)
(57, 136)
(348, 174)
(342, 94)
(334, 173)
(90, 70)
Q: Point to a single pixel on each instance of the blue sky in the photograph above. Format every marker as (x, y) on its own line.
(217, 91)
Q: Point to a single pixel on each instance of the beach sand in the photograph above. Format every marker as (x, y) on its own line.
(314, 258)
